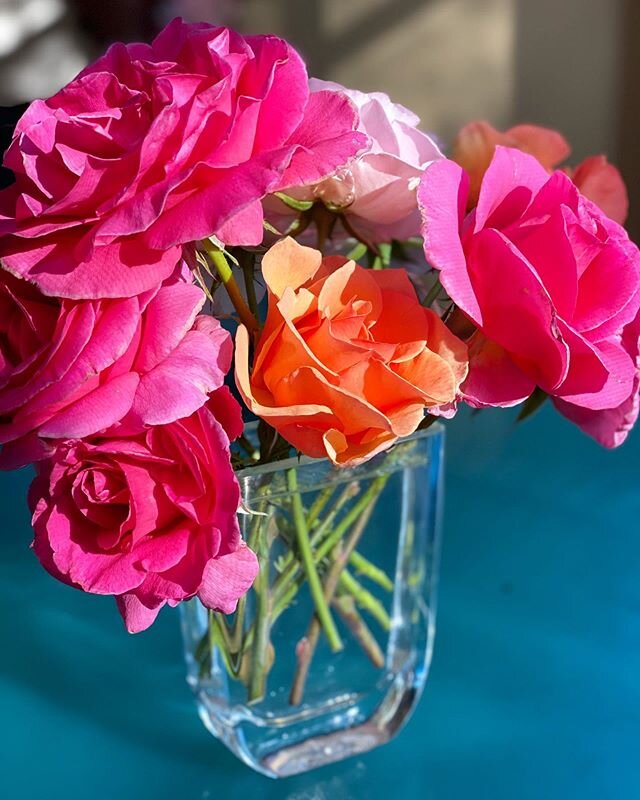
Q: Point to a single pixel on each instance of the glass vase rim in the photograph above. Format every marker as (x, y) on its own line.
(437, 429)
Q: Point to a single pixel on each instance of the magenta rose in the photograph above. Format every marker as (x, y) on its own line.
(610, 426)
(549, 283)
(153, 146)
(150, 519)
(72, 368)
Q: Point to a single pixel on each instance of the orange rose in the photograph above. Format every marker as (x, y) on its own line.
(348, 360)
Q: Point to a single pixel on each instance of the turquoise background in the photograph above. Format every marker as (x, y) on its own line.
(535, 685)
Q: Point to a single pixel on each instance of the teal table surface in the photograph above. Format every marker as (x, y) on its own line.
(534, 691)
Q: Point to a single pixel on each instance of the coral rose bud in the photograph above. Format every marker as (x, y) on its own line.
(597, 179)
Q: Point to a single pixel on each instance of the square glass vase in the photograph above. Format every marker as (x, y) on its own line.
(328, 653)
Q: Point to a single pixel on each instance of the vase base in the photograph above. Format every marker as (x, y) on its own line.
(334, 736)
(323, 750)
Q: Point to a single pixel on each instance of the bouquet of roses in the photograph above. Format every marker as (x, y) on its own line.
(202, 180)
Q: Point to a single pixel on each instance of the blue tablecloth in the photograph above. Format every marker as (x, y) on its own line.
(534, 691)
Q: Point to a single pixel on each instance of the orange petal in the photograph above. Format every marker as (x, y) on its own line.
(548, 146)
(473, 149)
(347, 453)
(475, 144)
(447, 345)
(289, 264)
(260, 401)
(349, 282)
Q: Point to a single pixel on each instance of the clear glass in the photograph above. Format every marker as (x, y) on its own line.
(359, 696)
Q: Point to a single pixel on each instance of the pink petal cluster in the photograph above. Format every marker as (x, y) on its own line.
(551, 285)
(73, 368)
(376, 191)
(154, 146)
(150, 519)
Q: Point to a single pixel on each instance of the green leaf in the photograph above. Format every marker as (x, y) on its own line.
(532, 404)
(270, 229)
(385, 253)
(433, 292)
(297, 205)
(427, 421)
(202, 283)
(358, 252)
(272, 446)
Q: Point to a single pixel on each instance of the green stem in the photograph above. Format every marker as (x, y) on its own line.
(382, 260)
(218, 639)
(357, 252)
(247, 264)
(358, 509)
(385, 253)
(226, 276)
(365, 599)
(433, 292)
(306, 556)
(232, 643)
(346, 607)
(289, 575)
(288, 583)
(364, 567)
(318, 505)
(290, 566)
(307, 645)
(325, 221)
(249, 449)
(238, 623)
(203, 655)
(258, 674)
(237, 631)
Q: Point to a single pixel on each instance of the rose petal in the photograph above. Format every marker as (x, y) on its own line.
(136, 615)
(227, 578)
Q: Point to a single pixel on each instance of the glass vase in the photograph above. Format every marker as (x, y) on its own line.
(328, 653)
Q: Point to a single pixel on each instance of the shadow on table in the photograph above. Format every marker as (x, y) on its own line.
(533, 691)
(73, 651)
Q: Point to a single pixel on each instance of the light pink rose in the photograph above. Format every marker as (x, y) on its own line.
(150, 519)
(154, 146)
(377, 190)
(549, 283)
(72, 368)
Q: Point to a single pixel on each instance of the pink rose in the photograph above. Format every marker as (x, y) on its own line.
(547, 280)
(71, 368)
(157, 145)
(377, 190)
(150, 519)
(611, 426)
